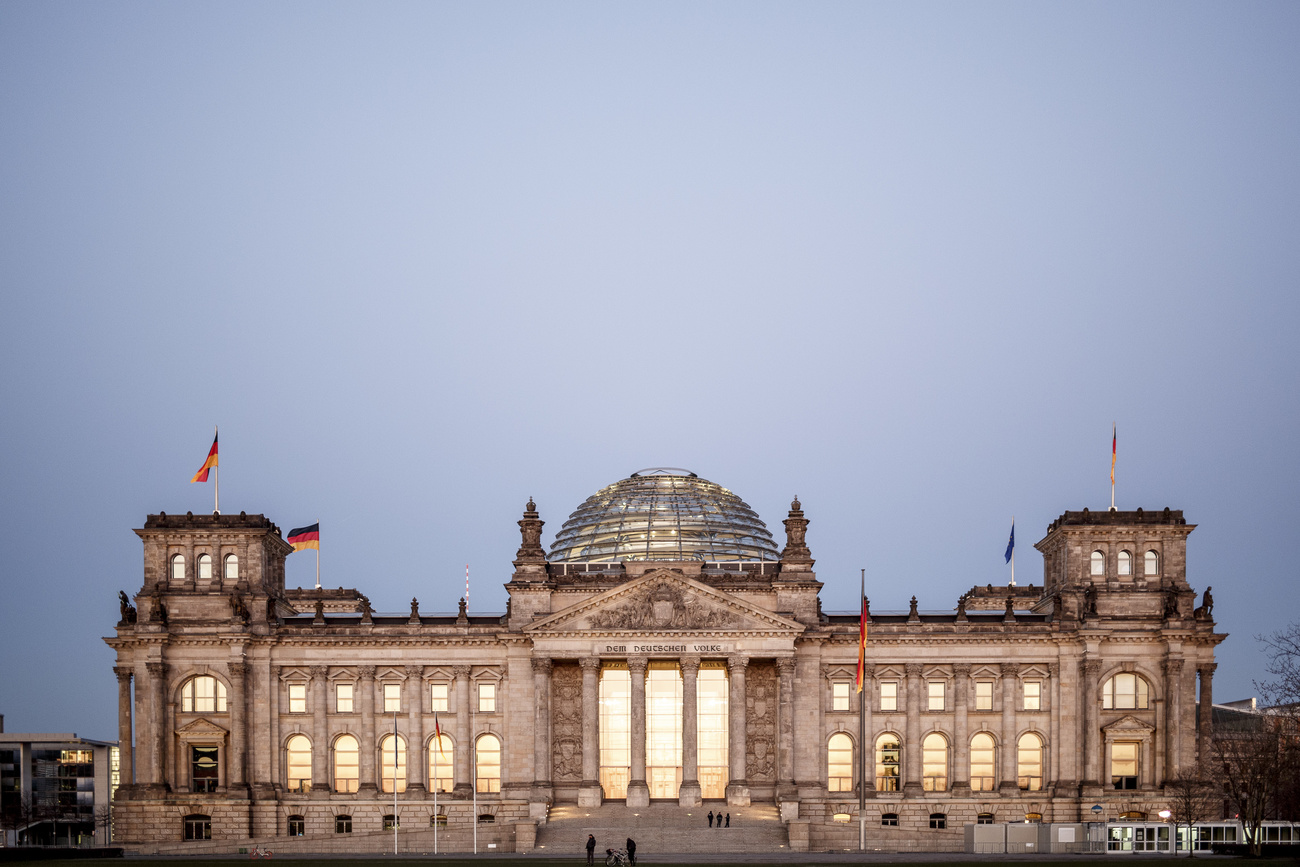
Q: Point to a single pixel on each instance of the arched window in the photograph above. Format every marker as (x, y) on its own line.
(1098, 563)
(178, 567)
(888, 753)
(297, 826)
(1125, 564)
(487, 765)
(934, 763)
(982, 750)
(938, 821)
(347, 766)
(1151, 564)
(298, 764)
(442, 759)
(839, 763)
(1125, 691)
(205, 567)
(1029, 763)
(198, 827)
(392, 759)
(203, 694)
(232, 567)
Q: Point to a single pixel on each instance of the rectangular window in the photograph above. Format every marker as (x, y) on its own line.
(1124, 765)
(984, 695)
(616, 729)
(203, 768)
(392, 697)
(840, 695)
(1033, 695)
(936, 695)
(487, 698)
(438, 697)
(297, 698)
(343, 698)
(889, 695)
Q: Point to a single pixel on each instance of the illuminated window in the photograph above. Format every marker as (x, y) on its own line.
(1033, 695)
(392, 759)
(392, 697)
(840, 695)
(487, 698)
(178, 567)
(1098, 563)
(204, 769)
(934, 763)
(1151, 564)
(347, 765)
(839, 763)
(1124, 765)
(343, 697)
(936, 694)
(297, 698)
(1125, 563)
(888, 753)
(438, 698)
(713, 722)
(1125, 692)
(982, 762)
(205, 567)
(203, 694)
(1029, 763)
(232, 567)
(441, 763)
(616, 730)
(487, 769)
(298, 764)
(984, 695)
(663, 729)
(889, 695)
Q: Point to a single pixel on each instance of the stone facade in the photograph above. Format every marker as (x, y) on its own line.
(1085, 687)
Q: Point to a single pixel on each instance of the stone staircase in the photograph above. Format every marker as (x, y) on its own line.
(662, 829)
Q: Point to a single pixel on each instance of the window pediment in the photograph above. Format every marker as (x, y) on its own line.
(202, 728)
(1129, 726)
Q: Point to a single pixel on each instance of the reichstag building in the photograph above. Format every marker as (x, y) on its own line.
(667, 652)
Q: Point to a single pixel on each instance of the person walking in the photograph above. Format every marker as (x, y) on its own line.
(728, 820)
(631, 852)
(591, 848)
(710, 818)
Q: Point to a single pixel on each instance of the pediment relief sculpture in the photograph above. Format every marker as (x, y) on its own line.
(663, 605)
(201, 728)
(1128, 725)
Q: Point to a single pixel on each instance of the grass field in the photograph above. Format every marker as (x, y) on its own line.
(806, 860)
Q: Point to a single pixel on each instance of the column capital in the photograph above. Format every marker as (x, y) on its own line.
(1173, 666)
(737, 664)
(1010, 669)
(367, 672)
(1090, 667)
(156, 669)
(589, 663)
(914, 669)
(690, 663)
(1207, 669)
(637, 666)
(1054, 669)
(785, 665)
(460, 671)
(124, 673)
(318, 672)
(961, 669)
(415, 671)
(542, 665)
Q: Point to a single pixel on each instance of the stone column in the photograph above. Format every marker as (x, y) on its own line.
(1207, 710)
(589, 791)
(785, 788)
(157, 723)
(1089, 670)
(1173, 721)
(417, 759)
(912, 743)
(1053, 753)
(961, 729)
(690, 793)
(737, 747)
(462, 787)
(541, 789)
(319, 730)
(125, 762)
(1007, 771)
(369, 783)
(638, 793)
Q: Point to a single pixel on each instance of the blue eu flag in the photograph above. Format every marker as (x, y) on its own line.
(1011, 543)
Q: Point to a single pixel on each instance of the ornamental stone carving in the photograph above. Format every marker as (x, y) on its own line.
(566, 724)
(663, 606)
(760, 723)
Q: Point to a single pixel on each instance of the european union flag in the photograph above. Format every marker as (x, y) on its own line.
(1011, 543)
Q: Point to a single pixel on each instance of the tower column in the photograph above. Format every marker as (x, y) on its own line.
(589, 791)
(319, 732)
(417, 761)
(540, 796)
(1089, 670)
(1008, 783)
(157, 722)
(368, 743)
(638, 792)
(689, 794)
(1051, 774)
(912, 745)
(738, 788)
(125, 757)
(463, 787)
(961, 729)
(1173, 721)
(1207, 711)
(785, 788)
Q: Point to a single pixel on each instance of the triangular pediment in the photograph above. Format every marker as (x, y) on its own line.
(201, 727)
(664, 600)
(1128, 725)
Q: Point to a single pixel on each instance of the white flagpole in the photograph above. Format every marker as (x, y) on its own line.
(318, 558)
(394, 782)
(1013, 551)
(473, 758)
(437, 746)
(216, 480)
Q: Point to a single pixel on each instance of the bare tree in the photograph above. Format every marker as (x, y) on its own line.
(1192, 799)
(1283, 649)
(104, 822)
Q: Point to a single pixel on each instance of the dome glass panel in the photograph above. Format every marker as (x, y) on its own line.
(663, 514)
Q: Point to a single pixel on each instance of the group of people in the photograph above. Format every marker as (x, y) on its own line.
(612, 856)
(720, 825)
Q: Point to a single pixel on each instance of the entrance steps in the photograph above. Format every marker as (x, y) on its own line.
(662, 829)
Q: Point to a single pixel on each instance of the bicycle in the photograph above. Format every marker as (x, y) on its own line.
(259, 852)
(616, 858)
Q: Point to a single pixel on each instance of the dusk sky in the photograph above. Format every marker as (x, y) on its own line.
(423, 261)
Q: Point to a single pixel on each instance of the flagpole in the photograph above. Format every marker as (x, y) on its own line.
(318, 563)
(437, 737)
(1114, 449)
(1013, 552)
(473, 757)
(216, 481)
(394, 782)
(862, 724)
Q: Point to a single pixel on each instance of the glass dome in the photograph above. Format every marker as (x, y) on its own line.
(663, 513)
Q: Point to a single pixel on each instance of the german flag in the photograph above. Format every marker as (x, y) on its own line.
(862, 645)
(305, 537)
(202, 474)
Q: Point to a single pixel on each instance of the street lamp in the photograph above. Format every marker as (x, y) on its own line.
(1173, 838)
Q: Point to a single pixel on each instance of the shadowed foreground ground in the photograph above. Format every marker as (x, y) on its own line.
(806, 859)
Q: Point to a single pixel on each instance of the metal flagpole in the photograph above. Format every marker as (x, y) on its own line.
(216, 479)
(862, 726)
(437, 737)
(473, 755)
(394, 782)
(1114, 443)
(318, 561)
(1013, 551)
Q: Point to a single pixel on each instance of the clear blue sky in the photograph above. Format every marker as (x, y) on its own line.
(423, 261)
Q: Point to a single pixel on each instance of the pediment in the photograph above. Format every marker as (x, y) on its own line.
(664, 601)
(201, 728)
(1128, 725)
